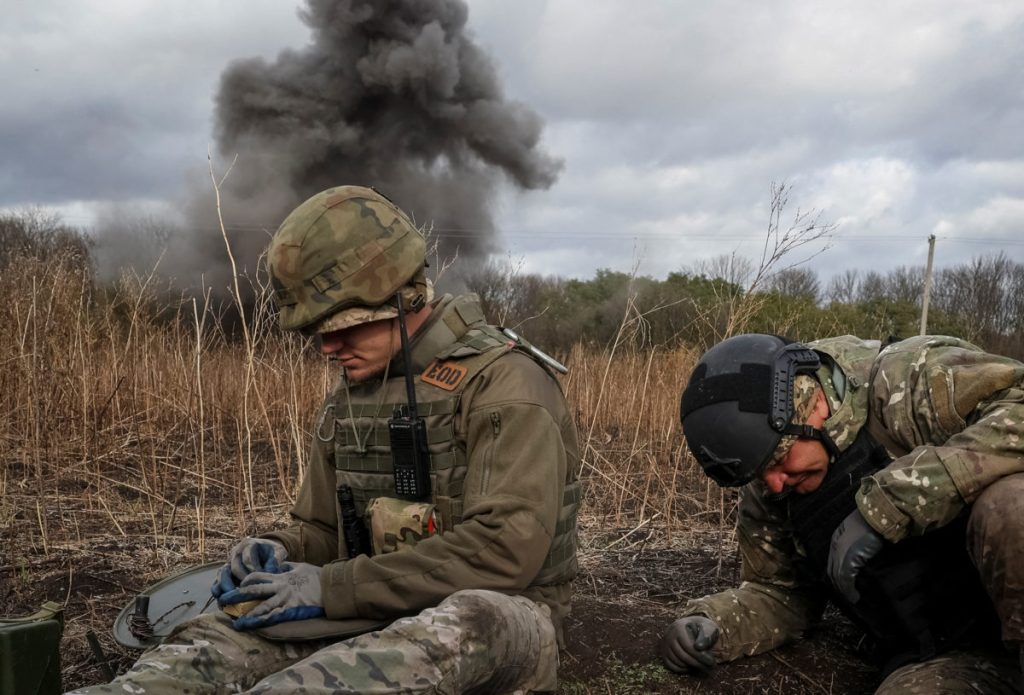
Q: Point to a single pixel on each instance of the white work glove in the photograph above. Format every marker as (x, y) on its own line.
(249, 555)
(293, 593)
(256, 555)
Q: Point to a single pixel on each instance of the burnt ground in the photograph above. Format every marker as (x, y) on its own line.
(626, 598)
(629, 590)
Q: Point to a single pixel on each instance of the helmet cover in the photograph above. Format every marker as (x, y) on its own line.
(345, 248)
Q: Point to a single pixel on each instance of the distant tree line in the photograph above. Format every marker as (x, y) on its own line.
(981, 300)
(39, 235)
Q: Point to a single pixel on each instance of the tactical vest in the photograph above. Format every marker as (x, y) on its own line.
(919, 597)
(358, 428)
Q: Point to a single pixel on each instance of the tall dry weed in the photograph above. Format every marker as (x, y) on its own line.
(134, 411)
(130, 407)
(637, 471)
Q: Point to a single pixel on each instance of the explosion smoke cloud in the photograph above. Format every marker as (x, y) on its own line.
(389, 93)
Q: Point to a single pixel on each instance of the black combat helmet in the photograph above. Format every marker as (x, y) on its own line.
(739, 402)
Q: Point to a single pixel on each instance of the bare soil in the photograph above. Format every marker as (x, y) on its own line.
(626, 599)
(631, 587)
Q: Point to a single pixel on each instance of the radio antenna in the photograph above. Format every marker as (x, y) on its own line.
(410, 385)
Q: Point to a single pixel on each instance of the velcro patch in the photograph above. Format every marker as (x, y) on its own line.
(444, 375)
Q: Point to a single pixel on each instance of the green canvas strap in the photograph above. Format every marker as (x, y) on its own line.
(51, 610)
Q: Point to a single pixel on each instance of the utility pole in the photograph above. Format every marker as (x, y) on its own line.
(927, 284)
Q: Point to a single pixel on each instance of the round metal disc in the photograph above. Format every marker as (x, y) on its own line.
(185, 595)
(171, 601)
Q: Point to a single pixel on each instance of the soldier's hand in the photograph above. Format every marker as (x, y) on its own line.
(292, 592)
(687, 644)
(854, 543)
(256, 555)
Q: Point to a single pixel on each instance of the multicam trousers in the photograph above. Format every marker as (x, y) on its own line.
(995, 537)
(473, 642)
(957, 673)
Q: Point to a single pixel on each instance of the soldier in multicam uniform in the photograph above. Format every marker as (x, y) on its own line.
(907, 464)
(476, 578)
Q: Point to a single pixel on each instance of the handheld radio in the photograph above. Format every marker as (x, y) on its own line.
(407, 432)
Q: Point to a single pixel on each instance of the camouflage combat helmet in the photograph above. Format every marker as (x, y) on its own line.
(339, 259)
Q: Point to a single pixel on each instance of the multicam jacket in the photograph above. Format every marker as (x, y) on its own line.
(952, 417)
(504, 456)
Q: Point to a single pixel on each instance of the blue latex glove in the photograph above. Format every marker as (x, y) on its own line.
(291, 594)
(249, 555)
(854, 543)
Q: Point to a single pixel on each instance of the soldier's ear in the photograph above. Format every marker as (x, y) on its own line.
(821, 408)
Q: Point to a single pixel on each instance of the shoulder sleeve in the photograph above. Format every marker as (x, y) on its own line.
(774, 604)
(960, 413)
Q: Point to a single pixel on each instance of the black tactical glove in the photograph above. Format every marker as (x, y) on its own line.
(687, 644)
(854, 543)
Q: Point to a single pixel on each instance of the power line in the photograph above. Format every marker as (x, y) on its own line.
(473, 233)
(463, 233)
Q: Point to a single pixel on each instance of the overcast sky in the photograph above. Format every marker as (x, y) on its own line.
(894, 119)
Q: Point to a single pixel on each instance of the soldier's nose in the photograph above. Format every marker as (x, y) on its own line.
(329, 344)
(775, 480)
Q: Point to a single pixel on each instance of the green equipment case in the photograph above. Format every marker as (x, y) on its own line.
(30, 652)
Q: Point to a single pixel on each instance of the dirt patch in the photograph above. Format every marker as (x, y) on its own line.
(613, 649)
(625, 600)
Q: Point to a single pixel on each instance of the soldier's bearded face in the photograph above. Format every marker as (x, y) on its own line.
(804, 466)
(364, 349)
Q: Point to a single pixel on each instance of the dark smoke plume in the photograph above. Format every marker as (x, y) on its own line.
(389, 93)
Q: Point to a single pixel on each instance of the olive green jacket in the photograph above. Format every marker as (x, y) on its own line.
(514, 431)
(952, 417)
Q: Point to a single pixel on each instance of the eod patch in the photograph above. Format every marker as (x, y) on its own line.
(444, 375)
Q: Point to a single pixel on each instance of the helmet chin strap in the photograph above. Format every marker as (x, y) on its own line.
(808, 432)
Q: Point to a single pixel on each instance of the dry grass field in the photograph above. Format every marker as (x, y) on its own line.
(137, 439)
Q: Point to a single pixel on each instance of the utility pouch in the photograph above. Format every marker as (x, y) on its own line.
(30, 652)
(397, 524)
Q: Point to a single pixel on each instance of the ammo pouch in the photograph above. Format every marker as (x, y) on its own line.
(30, 652)
(396, 524)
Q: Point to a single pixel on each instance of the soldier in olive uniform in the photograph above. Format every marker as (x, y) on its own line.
(888, 480)
(472, 578)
